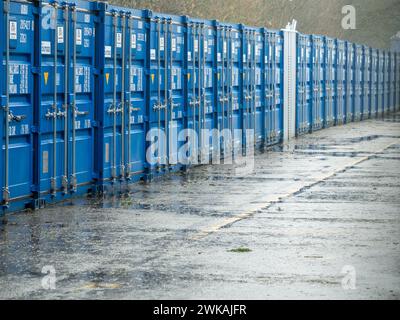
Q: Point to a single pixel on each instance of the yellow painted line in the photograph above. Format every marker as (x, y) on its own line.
(273, 198)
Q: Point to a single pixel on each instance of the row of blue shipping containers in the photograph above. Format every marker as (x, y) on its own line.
(84, 83)
(339, 82)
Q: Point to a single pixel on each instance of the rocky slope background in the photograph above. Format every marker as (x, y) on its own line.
(376, 20)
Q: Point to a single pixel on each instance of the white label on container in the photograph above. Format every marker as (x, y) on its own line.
(162, 40)
(225, 47)
(45, 161)
(87, 18)
(153, 54)
(119, 40)
(205, 46)
(173, 44)
(107, 51)
(189, 56)
(13, 30)
(24, 9)
(196, 45)
(79, 37)
(133, 41)
(219, 56)
(140, 24)
(60, 34)
(46, 47)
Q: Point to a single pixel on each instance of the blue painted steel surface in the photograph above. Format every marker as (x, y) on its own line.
(341, 88)
(374, 82)
(330, 82)
(67, 93)
(200, 99)
(381, 82)
(166, 89)
(121, 115)
(392, 80)
(317, 87)
(303, 92)
(17, 102)
(274, 87)
(88, 90)
(349, 81)
(366, 83)
(358, 60)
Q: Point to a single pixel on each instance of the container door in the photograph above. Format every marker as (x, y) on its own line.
(392, 81)
(273, 76)
(258, 88)
(67, 109)
(349, 82)
(341, 83)
(234, 84)
(17, 97)
(166, 92)
(200, 59)
(303, 67)
(134, 142)
(224, 58)
(317, 87)
(366, 94)
(329, 83)
(357, 83)
(381, 81)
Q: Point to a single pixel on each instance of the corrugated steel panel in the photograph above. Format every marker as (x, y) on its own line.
(374, 82)
(304, 58)
(358, 60)
(341, 82)
(67, 100)
(366, 83)
(349, 81)
(330, 82)
(317, 88)
(274, 86)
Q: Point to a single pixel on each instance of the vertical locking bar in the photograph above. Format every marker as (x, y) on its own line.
(115, 75)
(170, 114)
(230, 84)
(74, 107)
(199, 71)
(158, 107)
(254, 38)
(195, 78)
(165, 104)
(122, 160)
(128, 164)
(66, 93)
(54, 177)
(6, 191)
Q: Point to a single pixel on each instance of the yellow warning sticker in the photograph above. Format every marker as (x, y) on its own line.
(152, 78)
(188, 76)
(46, 77)
(219, 75)
(107, 77)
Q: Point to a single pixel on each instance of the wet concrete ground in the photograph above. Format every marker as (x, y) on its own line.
(319, 218)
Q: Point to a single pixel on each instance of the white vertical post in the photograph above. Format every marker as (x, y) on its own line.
(289, 88)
